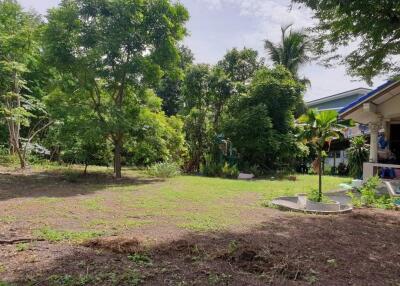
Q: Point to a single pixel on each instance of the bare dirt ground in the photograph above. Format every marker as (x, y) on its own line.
(268, 248)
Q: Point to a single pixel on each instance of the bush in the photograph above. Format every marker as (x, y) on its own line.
(164, 170)
(358, 153)
(214, 169)
(211, 169)
(342, 169)
(4, 150)
(369, 197)
(231, 172)
(314, 196)
(35, 159)
(9, 160)
(368, 191)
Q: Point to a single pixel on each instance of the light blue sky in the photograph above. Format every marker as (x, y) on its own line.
(218, 25)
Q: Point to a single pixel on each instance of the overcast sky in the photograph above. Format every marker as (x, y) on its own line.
(216, 26)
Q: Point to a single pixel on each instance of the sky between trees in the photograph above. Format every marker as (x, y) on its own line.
(218, 25)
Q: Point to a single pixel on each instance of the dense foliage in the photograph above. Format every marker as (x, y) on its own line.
(261, 124)
(358, 154)
(370, 28)
(113, 52)
(21, 108)
(369, 197)
(109, 83)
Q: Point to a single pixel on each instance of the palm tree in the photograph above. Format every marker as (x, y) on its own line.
(320, 128)
(291, 52)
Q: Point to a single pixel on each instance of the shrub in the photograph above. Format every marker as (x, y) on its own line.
(4, 151)
(35, 159)
(231, 172)
(342, 169)
(368, 191)
(369, 198)
(9, 160)
(255, 170)
(314, 196)
(358, 154)
(164, 170)
(211, 169)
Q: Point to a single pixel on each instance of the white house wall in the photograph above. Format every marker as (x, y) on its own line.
(390, 108)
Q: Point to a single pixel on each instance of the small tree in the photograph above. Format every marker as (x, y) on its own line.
(260, 125)
(358, 153)
(114, 51)
(19, 51)
(320, 128)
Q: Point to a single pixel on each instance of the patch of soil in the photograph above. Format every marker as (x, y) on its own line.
(355, 249)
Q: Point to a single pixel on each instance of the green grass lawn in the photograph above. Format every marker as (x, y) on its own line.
(74, 210)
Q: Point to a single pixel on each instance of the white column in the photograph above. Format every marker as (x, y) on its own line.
(374, 132)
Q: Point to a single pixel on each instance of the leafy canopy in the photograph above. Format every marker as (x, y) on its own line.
(240, 65)
(113, 51)
(370, 28)
(260, 124)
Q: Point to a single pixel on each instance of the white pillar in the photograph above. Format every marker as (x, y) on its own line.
(374, 132)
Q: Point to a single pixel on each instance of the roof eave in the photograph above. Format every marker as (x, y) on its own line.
(372, 95)
(338, 96)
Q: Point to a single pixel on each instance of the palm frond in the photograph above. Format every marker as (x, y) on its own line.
(292, 51)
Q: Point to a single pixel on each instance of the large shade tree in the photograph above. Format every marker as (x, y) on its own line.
(171, 85)
(320, 128)
(115, 50)
(370, 29)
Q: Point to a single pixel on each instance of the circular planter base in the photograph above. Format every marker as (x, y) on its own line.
(302, 204)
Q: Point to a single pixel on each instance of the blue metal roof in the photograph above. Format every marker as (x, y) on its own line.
(365, 97)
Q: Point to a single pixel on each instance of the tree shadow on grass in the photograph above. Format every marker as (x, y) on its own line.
(60, 185)
(355, 249)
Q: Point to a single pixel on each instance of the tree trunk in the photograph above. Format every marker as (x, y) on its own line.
(117, 158)
(14, 102)
(85, 171)
(22, 160)
(16, 146)
(320, 177)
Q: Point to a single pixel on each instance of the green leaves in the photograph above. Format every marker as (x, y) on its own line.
(116, 51)
(320, 128)
(357, 153)
(370, 28)
(291, 52)
(260, 124)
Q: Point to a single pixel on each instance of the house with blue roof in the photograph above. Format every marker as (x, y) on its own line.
(338, 102)
(379, 109)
